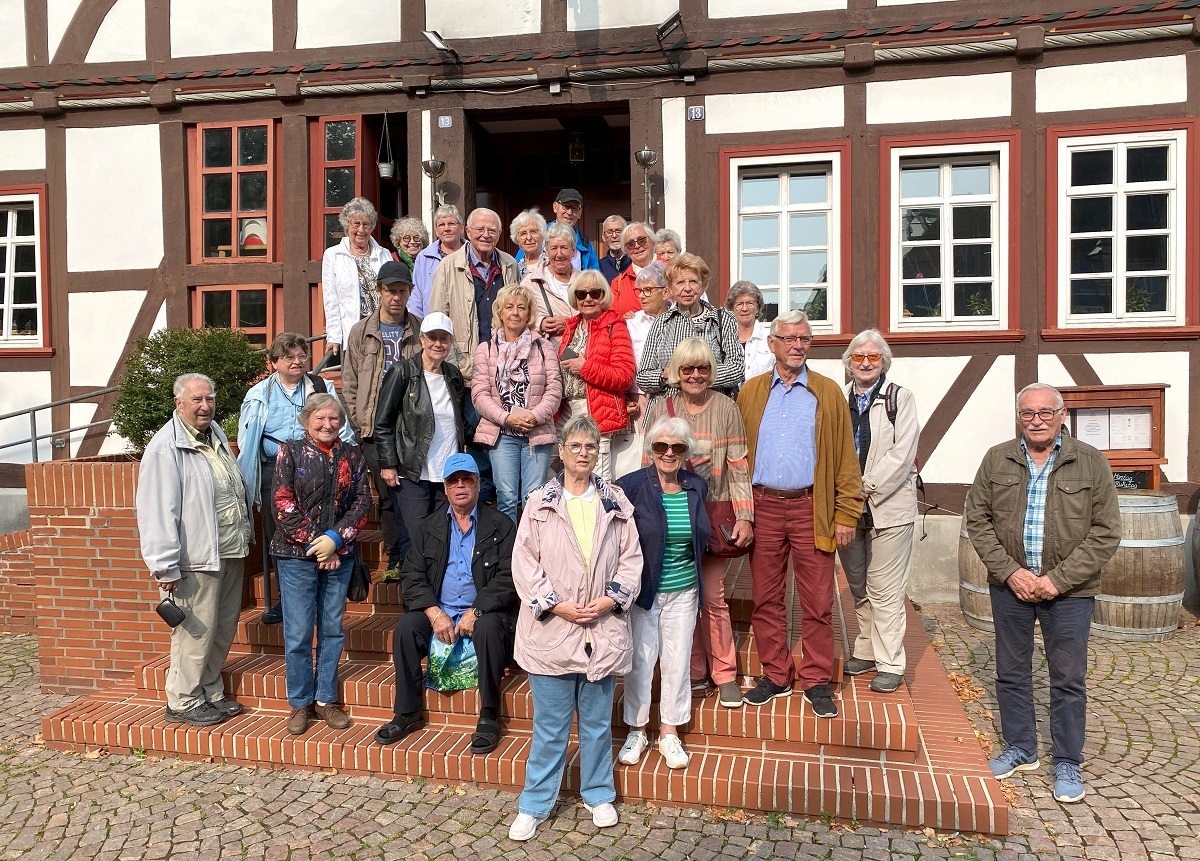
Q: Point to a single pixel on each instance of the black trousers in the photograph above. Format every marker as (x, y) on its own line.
(395, 534)
(410, 645)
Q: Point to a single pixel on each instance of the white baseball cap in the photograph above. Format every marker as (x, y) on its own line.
(436, 321)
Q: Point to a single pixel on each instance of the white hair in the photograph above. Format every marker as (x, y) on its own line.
(181, 383)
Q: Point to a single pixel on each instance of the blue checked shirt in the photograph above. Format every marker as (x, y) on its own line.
(786, 455)
(1035, 506)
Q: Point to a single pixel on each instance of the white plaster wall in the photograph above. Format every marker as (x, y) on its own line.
(426, 146)
(12, 25)
(327, 23)
(18, 391)
(471, 19)
(23, 149)
(823, 107)
(605, 14)
(84, 414)
(987, 419)
(200, 27)
(1118, 84)
(160, 320)
(1116, 369)
(674, 167)
(928, 378)
(741, 9)
(832, 368)
(122, 36)
(964, 97)
(111, 170)
(96, 349)
(1052, 371)
(58, 16)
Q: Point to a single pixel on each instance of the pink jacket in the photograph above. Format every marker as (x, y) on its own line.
(548, 567)
(542, 398)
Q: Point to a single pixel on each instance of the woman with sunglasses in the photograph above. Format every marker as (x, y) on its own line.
(638, 241)
(879, 558)
(720, 458)
(673, 527)
(596, 357)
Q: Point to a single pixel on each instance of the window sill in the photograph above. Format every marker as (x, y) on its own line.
(950, 336)
(1147, 333)
(26, 352)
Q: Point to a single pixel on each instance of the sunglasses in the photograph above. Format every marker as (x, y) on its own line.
(595, 294)
(866, 357)
(640, 242)
(688, 370)
(676, 448)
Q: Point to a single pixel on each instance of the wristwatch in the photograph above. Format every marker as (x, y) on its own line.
(478, 613)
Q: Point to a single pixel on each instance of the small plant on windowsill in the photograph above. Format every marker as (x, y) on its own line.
(1137, 299)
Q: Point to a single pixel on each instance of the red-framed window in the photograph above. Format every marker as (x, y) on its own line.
(255, 309)
(232, 188)
(24, 262)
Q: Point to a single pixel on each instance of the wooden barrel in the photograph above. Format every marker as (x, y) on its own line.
(1141, 588)
(973, 594)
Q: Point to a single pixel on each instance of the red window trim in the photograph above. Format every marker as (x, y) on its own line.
(196, 172)
(1191, 275)
(274, 305)
(43, 347)
(317, 175)
(725, 197)
(889, 143)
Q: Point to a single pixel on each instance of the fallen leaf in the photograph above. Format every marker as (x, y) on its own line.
(38, 741)
(95, 753)
(965, 688)
(985, 742)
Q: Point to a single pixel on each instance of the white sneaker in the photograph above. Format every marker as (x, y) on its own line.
(523, 827)
(672, 751)
(635, 747)
(603, 815)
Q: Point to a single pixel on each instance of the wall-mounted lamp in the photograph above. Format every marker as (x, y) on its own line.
(433, 167)
(646, 159)
(433, 37)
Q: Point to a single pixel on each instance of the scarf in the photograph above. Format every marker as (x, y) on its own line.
(511, 355)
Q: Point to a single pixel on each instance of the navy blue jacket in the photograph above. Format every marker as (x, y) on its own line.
(645, 492)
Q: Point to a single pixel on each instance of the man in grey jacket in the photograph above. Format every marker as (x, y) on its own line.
(192, 511)
(1042, 514)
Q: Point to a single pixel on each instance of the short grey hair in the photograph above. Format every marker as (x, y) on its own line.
(1040, 387)
(655, 273)
(744, 288)
(620, 218)
(869, 336)
(560, 231)
(634, 225)
(408, 224)
(447, 209)
(181, 383)
(580, 426)
(319, 401)
(672, 426)
(358, 206)
(525, 219)
(484, 212)
(789, 318)
(669, 235)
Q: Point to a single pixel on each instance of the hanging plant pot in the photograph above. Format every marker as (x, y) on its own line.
(386, 169)
(387, 165)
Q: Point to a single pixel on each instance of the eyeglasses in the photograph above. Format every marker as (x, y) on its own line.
(460, 478)
(1026, 416)
(677, 448)
(865, 357)
(688, 370)
(792, 339)
(640, 242)
(613, 231)
(299, 359)
(410, 239)
(438, 337)
(571, 205)
(577, 447)
(595, 294)
(646, 291)
(485, 231)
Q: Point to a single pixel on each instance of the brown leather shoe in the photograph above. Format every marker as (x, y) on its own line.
(298, 720)
(333, 716)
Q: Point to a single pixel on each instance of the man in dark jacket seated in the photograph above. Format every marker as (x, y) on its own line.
(457, 581)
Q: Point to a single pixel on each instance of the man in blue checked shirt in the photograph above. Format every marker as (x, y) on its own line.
(1043, 516)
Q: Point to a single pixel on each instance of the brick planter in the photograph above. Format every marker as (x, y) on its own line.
(18, 603)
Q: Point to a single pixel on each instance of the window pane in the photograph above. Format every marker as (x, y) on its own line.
(252, 145)
(761, 268)
(1091, 214)
(25, 259)
(1091, 255)
(972, 222)
(252, 191)
(3, 260)
(216, 309)
(1145, 294)
(921, 224)
(972, 261)
(24, 221)
(760, 191)
(973, 300)
(339, 185)
(812, 301)
(339, 140)
(1146, 164)
(1091, 296)
(218, 192)
(24, 321)
(1145, 253)
(808, 267)
(760, 231)
(1092, 168)
(971, 179)
(218, 238)
(923, 262)
(252, 309)
(920, 182)
(1146, 211)
(333, 230)
(218, 147)
(5, 217)
(253, 236)
(25, 291)
(808, 229)
(923, 300)
(770, 304)
(808, 188)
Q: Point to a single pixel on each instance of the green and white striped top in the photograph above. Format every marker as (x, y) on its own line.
(679, 563)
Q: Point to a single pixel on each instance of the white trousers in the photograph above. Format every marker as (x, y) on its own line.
(877, 564)
(662, 636)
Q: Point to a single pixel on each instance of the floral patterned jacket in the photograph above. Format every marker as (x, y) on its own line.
(316, 492)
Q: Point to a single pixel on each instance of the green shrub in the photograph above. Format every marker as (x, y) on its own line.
(145, 399)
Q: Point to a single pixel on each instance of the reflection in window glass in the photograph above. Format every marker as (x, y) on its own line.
(252, 191)
(216, 309)
(970, 179)
(923, 300)
(218, 192)
(760, 232)
(339, 186)
(20, 280)
(252, 309)
(1092, 168)
(760, 191)
(917, 182)
(808, 188)
(218, 147)
(1147, 164)
(252, 145)
(218, 238)
(24, 221)
(340, 140)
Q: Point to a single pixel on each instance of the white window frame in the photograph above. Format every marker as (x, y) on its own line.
(8, 284)
(1176, 185)
(948, 154)
(782, 165)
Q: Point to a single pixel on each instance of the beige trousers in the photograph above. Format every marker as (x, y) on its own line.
(199, 646)
(877, 565)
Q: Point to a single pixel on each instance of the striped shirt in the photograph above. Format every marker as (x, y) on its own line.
(1035, 505)
(679, 563)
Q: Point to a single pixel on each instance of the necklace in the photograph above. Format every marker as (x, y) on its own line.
(687, 406)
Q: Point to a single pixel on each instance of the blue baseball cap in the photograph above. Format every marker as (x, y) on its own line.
(459, 463)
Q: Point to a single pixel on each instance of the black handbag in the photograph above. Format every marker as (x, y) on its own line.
(360, 580)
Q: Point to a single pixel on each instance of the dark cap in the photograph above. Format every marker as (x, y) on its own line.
(394, 272)
(569, 194)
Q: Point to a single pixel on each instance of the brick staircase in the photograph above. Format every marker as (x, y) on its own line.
(908, 758)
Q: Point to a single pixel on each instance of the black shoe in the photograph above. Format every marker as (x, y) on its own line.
(398, 727)
(764, 691)
(885, 683)
(857, 666)
(820, 697)
(204, 714)
(228, 708)
(272, 615)
(486, 737)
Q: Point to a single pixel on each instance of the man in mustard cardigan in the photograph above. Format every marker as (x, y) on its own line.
(807, 500)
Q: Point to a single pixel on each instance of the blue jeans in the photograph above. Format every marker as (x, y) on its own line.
(517, 469)
(1065, 625)
(312, 598)
(555, 701)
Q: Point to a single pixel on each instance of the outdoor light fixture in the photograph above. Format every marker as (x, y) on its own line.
(646, 159)
(435, 38)
(433, 167)
(666, 28)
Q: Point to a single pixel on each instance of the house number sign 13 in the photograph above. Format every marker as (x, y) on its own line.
(695, 113)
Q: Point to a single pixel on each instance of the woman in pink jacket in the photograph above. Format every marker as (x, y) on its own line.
(516, 389)
(577, 567)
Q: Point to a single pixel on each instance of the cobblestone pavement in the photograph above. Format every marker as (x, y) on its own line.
(1142, 771)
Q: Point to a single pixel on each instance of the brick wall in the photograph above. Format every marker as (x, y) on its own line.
(18, 604)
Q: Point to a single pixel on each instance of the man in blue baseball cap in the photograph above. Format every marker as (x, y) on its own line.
(457, 582)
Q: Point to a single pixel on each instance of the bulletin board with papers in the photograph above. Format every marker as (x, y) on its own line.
(1124, 422)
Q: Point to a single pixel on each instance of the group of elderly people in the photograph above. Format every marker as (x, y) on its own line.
(459, 360)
